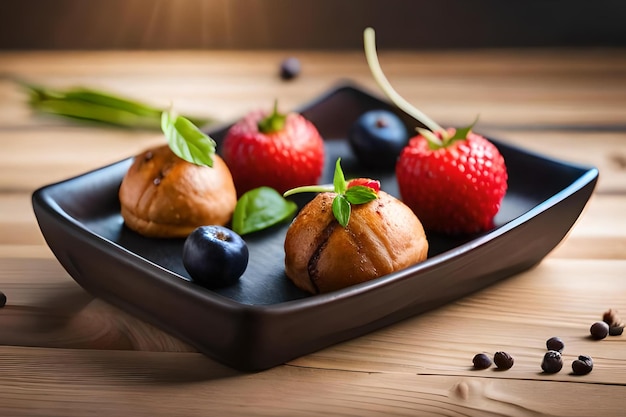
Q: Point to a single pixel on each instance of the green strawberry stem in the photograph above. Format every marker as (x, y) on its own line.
(436, 136)
(275, 122)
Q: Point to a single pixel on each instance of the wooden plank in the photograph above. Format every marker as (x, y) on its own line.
(552, 88)
(521, 98)
(599, 233)
(157, 384)
(62, 154)
(609, 151)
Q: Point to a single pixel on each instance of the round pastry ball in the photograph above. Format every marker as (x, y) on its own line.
(382, 236)
(165, 196)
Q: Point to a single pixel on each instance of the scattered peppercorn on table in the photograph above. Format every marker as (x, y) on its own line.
(64, 352)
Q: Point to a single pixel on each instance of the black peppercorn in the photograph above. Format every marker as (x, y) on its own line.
(599, 330)
(3, 299)
(555, 343)
(552, 362)
(481, 361)
(503, 360)
(583, 365)
(616, 330)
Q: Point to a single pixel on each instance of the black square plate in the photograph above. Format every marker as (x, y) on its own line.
(264, 320)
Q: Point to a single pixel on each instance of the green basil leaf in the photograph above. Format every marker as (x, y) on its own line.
(341, 209)
(261, 208)
(339, 180)
(360, 194)
(187, 141)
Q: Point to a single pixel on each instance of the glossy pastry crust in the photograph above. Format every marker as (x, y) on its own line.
(382, 236)
(163, 195)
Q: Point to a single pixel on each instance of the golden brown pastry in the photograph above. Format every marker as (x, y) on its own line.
(381, 237)
(163, 195)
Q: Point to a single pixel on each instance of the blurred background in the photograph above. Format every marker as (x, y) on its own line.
(309, 24)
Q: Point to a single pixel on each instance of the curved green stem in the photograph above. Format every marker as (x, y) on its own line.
(369, 38)
(310, 189)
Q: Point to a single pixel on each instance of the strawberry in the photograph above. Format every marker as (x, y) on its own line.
(453, 179)
(454, 187)
(276, 150)
(374, 185)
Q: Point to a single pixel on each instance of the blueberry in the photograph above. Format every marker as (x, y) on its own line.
(215, 256)
(290, 68)
(377, 137)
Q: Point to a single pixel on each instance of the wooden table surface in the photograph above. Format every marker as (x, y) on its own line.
(66, 353)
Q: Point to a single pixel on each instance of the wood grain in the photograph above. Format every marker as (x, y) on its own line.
(64, 353)
(165, 384)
